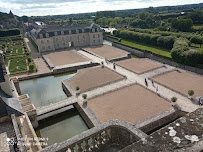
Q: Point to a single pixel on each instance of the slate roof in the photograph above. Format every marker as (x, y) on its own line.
(51, 30)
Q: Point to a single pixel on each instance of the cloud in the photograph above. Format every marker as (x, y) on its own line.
(56, 7)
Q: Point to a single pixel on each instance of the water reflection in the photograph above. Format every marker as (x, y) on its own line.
(45, 90)
(61, 127)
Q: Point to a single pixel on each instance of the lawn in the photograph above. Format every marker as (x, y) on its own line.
(195, 45)
(151, 48)
(17, 65)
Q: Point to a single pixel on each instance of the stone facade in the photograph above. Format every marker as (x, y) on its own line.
(51, 39)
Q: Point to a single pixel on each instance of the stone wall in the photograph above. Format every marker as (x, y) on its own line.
(113, 132)
(86, 118)
(159, 59)
(150, 124)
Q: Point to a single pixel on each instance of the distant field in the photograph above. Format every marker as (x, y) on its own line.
(151, 48)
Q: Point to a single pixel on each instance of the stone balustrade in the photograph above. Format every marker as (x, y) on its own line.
(113, 134)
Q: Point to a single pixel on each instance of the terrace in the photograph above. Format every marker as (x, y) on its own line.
(91, 78)
(108, 52)
(132, 104)
(139, 66)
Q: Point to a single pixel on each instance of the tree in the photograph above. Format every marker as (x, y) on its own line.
(104, 21)
(25, 18)
(197, 40)
(197, 16)
(182, 24)
(118, 20)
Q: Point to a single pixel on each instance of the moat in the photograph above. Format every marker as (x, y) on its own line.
(45, 90)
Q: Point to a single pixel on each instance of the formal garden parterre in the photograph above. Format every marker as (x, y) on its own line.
(16, 55)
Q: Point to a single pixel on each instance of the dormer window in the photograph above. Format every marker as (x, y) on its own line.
(98, 30)
(47, 35)
(83, 30)
(70, 32)
(62, 32)
(41, 36)
(93, 30)
(55, 33)
(77, 31)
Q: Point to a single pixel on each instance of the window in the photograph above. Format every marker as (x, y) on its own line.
(62, 32)
(55, 33)
(84, 41)
(78, 42)
(70, 37)
(83, 36)
(56, 39)
(43, 48)
(42, 41)
(94, 41)
(98, 36)
(64, 44)
(93, 36)
(49, 47)
(41, 36)
(57, 45)
(99, 40)
(47, 41)
(78, 37)
(63, 38)
(47, 35)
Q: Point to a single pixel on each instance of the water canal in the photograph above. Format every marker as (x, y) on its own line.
(59, 125)
(45, 90)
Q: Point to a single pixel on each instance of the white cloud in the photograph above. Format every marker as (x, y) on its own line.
(56, 7)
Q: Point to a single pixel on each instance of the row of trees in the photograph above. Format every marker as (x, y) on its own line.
(183, 54)
(194, 38)
(9, 32)
(158, 40)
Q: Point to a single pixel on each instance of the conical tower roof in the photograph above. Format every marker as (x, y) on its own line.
(11, 15)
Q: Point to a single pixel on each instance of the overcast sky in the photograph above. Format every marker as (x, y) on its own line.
(56, 7)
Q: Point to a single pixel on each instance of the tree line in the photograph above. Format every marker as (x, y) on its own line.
(9, 32)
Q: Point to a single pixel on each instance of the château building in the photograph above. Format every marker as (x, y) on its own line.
(56, 38)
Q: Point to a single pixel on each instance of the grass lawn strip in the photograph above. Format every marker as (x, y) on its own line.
(154, 49)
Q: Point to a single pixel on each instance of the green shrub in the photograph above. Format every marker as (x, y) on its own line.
(77, 88)
(84, 96)
(190, 92)
(31, 67)
(173, 99)
(29, 59)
